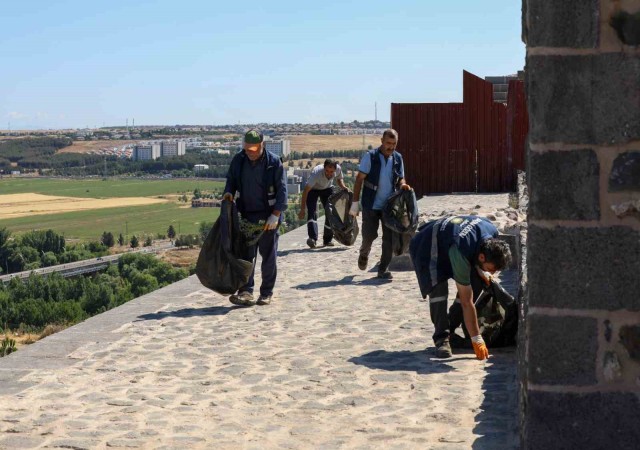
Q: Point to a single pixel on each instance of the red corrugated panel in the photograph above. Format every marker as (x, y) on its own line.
(518, 124)
(463, 147)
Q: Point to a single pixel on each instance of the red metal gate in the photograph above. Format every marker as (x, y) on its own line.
(474, 146)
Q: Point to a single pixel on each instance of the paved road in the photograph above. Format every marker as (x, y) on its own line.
(84, 266)
(339, 360)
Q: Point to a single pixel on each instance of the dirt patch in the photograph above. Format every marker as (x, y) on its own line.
(94, 146)
(19, 205)
(315, 143)
(180, 257)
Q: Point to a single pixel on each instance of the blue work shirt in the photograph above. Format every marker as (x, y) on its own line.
(385, 181)
(253, 185)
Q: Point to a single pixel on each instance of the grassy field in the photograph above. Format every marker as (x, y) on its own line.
(97, 188)
(89, 225)
(141, 221)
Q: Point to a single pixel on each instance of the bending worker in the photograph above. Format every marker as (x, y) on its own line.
(452, 248)
(320, 185)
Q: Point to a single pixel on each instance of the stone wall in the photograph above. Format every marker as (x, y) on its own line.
(580, 374)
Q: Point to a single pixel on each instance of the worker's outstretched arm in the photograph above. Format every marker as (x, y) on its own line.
(471, 321)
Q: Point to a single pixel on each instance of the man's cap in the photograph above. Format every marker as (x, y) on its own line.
(253, 137)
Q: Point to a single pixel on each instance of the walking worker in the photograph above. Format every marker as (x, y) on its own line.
(454, 247)
(256, 178)
(320, 186)
(380, 174)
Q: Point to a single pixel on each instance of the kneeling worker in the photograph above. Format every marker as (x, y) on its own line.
(452, 248)
(319, 185)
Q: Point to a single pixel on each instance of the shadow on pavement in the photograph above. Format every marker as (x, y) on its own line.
(312, 250)
(189, 312)
(497, 421)
(404, 360)
(346, 281)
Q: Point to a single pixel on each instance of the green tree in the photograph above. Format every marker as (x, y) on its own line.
(148, 242)
(121, 240)
(135, 243)
(204, 229)
(107, 239)
(171, 232)
(49, 259)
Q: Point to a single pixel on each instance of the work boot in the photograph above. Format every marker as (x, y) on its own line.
(243, 298)
(443, 348)
(386, 275)
(264, 300)
(362, 262)
(311, 243)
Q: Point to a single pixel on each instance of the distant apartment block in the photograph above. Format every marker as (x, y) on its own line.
(205, 203)
(200, 167)
(304, 175)
(293, 184)
(144, 152)
(173, 148)
(280, 148)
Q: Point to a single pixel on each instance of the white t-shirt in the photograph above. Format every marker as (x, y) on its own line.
(318, 180)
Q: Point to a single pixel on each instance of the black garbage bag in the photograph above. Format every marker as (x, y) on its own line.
(222, 265)
(497, 318)
(344, 225)
(400, 215)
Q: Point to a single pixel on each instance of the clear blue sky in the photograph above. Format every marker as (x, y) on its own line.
(77, 63)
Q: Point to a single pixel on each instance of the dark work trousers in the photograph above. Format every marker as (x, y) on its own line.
(371, 221)
(438, 305)
(312, 215)
(267, 246)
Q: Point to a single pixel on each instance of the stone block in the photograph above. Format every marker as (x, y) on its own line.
(569, 23)
(562, 350)
(625, 174)
(587, 99)
(566, 187)
(582, 421)
(559, 96)
(616, 98)
(585, 268)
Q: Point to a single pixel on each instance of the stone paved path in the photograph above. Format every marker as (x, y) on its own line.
(337, 361)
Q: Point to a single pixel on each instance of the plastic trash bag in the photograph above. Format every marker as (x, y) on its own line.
(222, 265)
(400, 215)
(344, 225)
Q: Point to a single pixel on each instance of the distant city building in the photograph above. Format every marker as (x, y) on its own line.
(304, 175)
(173, 148)
(144, 152)
(278, 147)
(205, 203)
(293, 184)
(200, 167)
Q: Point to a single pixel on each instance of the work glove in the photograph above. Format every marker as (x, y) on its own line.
(405, 187)
(228, 196)
(485, 276)
(272, 222)
(355, 207)
(479, 347)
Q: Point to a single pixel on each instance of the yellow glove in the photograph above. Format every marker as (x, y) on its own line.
(479, 347)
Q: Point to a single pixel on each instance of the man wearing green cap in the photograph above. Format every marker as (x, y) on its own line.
(257, 180)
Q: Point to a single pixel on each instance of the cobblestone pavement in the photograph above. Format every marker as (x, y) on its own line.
(338, 360)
